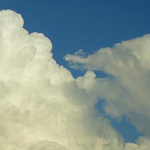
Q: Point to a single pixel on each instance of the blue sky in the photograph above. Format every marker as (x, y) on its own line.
(88, 25)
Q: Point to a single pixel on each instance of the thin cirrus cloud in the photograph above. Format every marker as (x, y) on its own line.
(43, 107)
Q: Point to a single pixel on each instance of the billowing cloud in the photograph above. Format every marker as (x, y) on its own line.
(126, 89)
(42, 107)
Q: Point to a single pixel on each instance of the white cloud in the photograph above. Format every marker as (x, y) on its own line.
(126, 91)
(43, 107)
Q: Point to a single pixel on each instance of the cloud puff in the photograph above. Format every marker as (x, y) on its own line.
(41, 105)
(126, 89)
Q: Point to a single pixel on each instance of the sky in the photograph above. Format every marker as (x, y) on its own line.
(81, 83)
(73, 25)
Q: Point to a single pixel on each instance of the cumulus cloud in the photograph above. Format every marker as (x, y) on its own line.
(126, 88)
(42, 107)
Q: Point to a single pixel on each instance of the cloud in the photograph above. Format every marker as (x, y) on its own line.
(46, 145)
(43, 107)
(126, 89)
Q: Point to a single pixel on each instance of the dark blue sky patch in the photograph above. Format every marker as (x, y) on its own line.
(126, 129)
(102, 74)
(123, 125)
